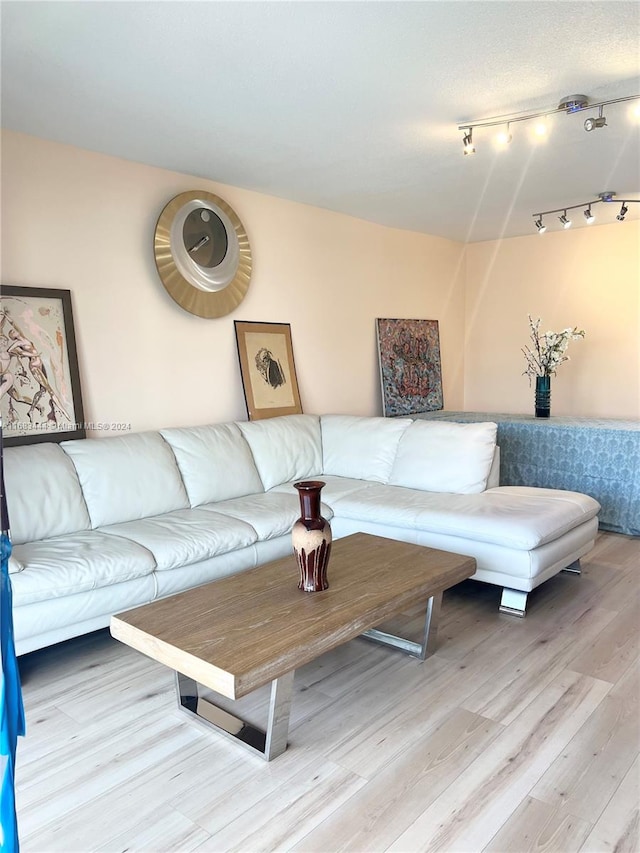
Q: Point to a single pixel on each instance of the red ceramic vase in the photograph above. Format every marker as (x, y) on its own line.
(312, 538)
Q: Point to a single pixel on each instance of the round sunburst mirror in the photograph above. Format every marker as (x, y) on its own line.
(202, 254)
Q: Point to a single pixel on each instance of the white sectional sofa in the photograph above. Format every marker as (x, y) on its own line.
(102, 525)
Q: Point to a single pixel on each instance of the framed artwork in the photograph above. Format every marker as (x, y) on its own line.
(40, 397)
(410, 370)
(268, 370)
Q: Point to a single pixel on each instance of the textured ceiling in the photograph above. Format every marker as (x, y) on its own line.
(350, 106)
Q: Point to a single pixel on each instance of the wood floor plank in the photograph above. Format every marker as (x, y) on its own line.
(216, 799)
(618, 829)
(584, 777)
(474, 807)
(382, 737)
(162, 831)
(69, 778)
(403, 788)
(537, 827)
(281, 818)
(609, 654)
(512, 687)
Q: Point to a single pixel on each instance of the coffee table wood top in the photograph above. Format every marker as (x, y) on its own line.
(238, 633)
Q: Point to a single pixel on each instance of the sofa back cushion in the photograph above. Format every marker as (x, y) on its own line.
(285, 448)
(215, 462)
(129, 477)
(44, 498)
(445, 457)
(361, 447)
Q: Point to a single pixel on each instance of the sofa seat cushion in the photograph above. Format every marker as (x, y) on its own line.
(128, 477)
(360, 447)
(334, 487)
(445, 457)
(284, 448)
(512, 517)
(215, 462)
(271, 515)
(75, 563)
(185, 536)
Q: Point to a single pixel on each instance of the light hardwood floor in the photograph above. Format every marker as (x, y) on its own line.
(517, 735)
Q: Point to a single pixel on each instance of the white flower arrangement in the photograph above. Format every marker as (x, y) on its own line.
(548, 350)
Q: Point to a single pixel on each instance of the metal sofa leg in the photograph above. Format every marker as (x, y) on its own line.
(573, 568)
(513, 601)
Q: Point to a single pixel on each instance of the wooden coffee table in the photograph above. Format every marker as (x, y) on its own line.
(236, 634)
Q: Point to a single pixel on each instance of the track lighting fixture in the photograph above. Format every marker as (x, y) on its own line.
(588, 214)
(570, 105)
(592, 123)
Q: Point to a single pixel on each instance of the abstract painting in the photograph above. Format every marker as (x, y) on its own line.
(410, 369)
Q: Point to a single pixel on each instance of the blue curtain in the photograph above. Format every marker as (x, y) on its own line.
(11, 707)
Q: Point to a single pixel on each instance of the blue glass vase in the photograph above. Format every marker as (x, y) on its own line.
(543, 396)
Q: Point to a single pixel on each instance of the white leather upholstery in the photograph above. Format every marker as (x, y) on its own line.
(286, 448)
(359, 447)
(522, 524)
(15, 565)
(185, 536)
(129, 477)
(271, 515)
(76, 562)
(503, 566)
(445, 457)
(185, 577)
(334, 487)
(39, 480)
(55, 619)
(151, 542)
(493, 479)
(215, 462)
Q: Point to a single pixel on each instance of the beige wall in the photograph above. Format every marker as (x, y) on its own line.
(588, 278)
(84, 222)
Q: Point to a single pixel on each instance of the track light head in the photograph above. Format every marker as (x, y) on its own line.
(540, 225)
(467, 142)
(593, 123)
(540, 128)
(504, 137)
(589, 216)
(623, 212)
(566, 223)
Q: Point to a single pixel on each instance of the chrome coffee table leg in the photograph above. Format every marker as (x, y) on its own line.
(267, 743)
(429, 638)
